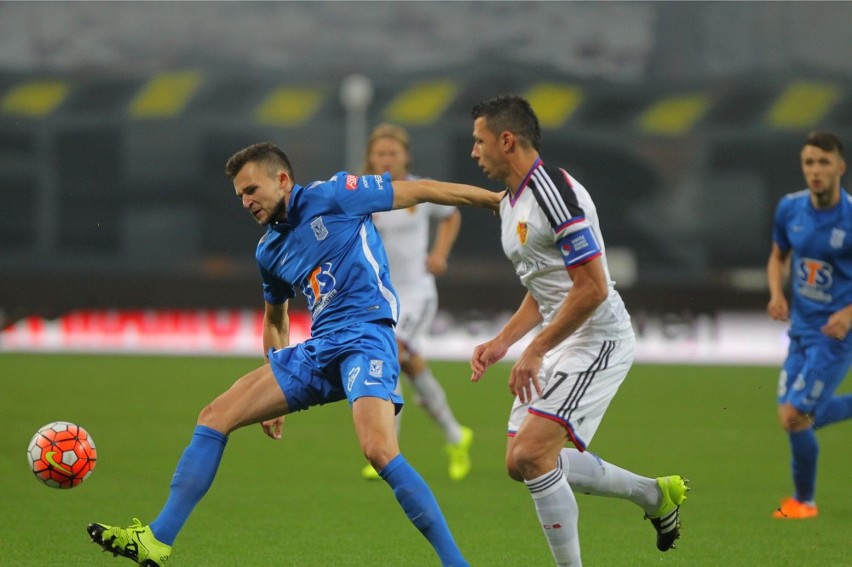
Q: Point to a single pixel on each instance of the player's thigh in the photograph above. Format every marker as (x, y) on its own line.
(374, 426)
(825, 363)
(251, 399)
(579, 383)
(539, 439)
(790, 370)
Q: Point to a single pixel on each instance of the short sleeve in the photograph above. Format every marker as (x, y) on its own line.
(360, 195)
(779, 227)
(275, 291)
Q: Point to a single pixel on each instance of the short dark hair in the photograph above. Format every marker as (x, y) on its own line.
(510, 113)
(826, 141)
(265, 153)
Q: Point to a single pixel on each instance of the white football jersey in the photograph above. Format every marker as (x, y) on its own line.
(549, 226)
(405, 234)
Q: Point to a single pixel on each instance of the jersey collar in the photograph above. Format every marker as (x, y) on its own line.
(514, 196)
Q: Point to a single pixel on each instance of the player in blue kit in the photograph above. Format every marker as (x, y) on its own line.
(812, 242)
(320, 239)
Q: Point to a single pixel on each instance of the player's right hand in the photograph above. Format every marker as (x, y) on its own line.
(485, 355)
(778, 309)
(273, 427)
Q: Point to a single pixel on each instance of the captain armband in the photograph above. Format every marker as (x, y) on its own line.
(579, 247)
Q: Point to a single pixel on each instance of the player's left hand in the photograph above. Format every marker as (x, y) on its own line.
(838, 324)
(273, 427)
(436, 264)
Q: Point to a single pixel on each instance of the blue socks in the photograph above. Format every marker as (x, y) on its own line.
(837, 409)
(805, 448)
(804, 463)
(419, 504)
(193, 476)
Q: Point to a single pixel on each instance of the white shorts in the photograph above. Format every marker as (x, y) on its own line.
(416, 313)
(578, 381)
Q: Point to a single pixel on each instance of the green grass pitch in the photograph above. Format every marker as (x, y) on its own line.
(301, 501)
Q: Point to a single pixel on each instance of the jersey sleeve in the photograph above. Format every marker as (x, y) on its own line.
(779, 227)
(579, 247)
(275, 291)
(360, 195)
(575, 238)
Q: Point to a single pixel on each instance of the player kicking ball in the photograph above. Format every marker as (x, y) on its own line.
(319, 239)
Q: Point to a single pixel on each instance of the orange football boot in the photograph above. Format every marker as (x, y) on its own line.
(792, 509)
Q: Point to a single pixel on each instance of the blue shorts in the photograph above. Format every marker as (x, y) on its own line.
(814, 369)
(358, 361)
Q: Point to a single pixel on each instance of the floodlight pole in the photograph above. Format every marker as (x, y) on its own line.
(356, 95)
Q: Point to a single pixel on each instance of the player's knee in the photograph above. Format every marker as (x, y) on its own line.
(208, 415)
(213, 417)
(792, 420)
(378, 454)
(526, 461)
(514, 473)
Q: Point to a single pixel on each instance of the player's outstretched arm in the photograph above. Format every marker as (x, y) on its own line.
(408, 193)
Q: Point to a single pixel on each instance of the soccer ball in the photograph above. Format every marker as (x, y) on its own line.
(62, 454)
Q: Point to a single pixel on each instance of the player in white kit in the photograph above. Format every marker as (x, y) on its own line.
(413, 267)
(566, 377)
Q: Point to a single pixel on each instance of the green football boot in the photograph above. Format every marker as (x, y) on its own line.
(666, 519)
(136, 542)
(369, 473)
(459, 455)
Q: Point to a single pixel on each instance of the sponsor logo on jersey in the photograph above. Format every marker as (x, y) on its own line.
(351, 182)
(814, 278)
(838, 235)
(320, 231)
(319, 288)
(376, 368)
(380, 182)
(522, 232)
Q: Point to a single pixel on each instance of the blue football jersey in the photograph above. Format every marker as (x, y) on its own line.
(821, 268)
(330, 250)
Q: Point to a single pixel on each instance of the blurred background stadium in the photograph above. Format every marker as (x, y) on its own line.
(684, 119)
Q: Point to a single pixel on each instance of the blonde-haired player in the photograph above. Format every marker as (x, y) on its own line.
(413, 267)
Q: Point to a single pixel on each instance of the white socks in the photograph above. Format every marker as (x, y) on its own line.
(558, 513)
(589, 474)
(434, 399)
